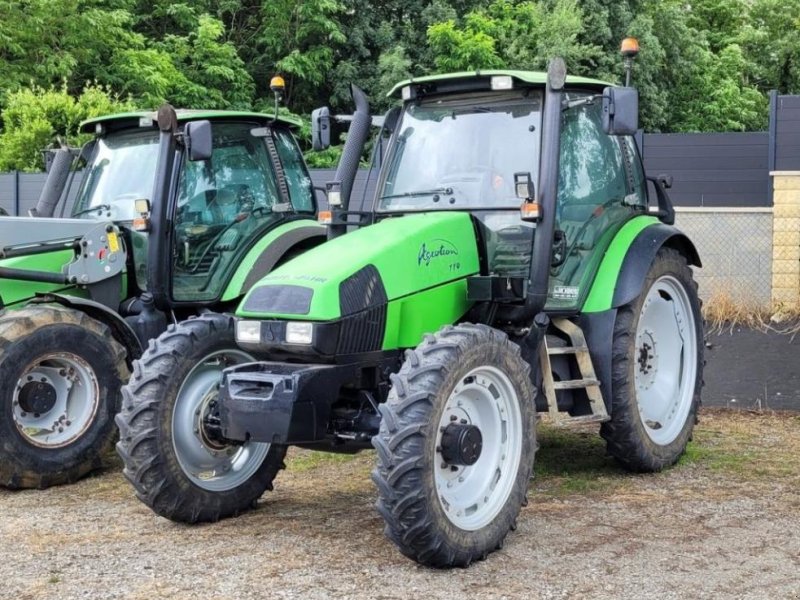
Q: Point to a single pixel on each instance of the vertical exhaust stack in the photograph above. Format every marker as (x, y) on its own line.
(54, 185)
(349, 162)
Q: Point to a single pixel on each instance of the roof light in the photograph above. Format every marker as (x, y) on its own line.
(277, 84)
(502, 82)
(325, 217)
(406, 92)
(630, 47)
(334, 193)
(529, 211)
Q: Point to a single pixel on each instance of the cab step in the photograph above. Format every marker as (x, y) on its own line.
(588, 381)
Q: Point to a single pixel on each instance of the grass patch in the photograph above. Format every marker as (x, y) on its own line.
(574, 462)
(723, 312)
(302, 461)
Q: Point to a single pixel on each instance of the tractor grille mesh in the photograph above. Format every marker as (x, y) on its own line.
(362, 290)
(362, 302)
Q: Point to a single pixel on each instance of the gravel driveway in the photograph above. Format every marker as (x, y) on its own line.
(723, 523)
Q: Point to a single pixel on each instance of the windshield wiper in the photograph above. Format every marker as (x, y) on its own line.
(90, 209)
(446, 191)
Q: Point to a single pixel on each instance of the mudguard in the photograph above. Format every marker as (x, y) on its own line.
(598, 326)
(123, 332)
(641, 254)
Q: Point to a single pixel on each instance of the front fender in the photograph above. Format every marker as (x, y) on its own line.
(120, 329)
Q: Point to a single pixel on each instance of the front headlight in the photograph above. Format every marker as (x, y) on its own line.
(299, 333)
(248, 332)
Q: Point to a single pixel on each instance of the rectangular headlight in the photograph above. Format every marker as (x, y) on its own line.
(502, 82)
(299, 333)
(248, 332)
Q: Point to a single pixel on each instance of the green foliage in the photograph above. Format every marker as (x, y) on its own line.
(705, 65)
(35, 118)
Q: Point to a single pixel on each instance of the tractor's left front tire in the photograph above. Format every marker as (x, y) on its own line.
(456, 446)
(179, 469)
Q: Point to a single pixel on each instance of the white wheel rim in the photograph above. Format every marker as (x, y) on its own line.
(212, 467)
(665, 367)
(72, 385)
(472, 496)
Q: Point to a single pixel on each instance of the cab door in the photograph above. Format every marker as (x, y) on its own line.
(601, 185)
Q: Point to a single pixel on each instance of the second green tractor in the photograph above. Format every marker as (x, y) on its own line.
(511, 264)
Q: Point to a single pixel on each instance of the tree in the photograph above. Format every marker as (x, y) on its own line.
(34, 118)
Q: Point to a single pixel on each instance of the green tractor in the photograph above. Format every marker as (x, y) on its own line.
(511, 264)
(178, 214)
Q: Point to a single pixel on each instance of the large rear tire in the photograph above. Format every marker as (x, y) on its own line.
(176, 467)
(456, 446)
(60, 378)
(657, 368)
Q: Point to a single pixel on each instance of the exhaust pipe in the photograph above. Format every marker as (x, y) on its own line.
(54, 184)
(351, 157)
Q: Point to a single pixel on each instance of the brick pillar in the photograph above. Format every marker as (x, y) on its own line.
(786, 239)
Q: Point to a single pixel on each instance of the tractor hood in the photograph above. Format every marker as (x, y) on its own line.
(370, 267)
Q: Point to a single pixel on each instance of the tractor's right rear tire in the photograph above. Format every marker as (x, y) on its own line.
(456, 446)
(177, 469)
(60, 378)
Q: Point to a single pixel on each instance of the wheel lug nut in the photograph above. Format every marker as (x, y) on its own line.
(30, 377)
(444, 465)
(62, 372)
(68, 423)
(463, 421)
(453, 418)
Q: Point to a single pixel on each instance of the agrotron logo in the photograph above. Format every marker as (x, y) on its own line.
(437, 249)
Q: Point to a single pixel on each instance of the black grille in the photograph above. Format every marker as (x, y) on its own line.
(362, 290)
(362, 332)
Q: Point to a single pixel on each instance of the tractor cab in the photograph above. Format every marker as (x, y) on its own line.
(472, 142)
(253, 179)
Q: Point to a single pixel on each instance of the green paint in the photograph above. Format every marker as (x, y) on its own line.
(412, 253)
(602, 292)
(529, 78)
(234, 289)
(87, 126)
(409, 318)
(15, 290)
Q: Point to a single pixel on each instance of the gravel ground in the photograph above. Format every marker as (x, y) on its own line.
(722, 524)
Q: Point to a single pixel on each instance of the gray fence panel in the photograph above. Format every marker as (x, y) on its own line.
(30, 186)
(787, 134)
(711, 169)
(7, 185)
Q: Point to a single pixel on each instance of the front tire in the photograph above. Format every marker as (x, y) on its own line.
(657, 368)
(176, 467)
(456, 446)
(60, 378)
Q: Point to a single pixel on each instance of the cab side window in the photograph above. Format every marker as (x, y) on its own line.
(294, 168)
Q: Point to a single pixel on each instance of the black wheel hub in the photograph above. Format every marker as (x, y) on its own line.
(37, 397)
(461, 444)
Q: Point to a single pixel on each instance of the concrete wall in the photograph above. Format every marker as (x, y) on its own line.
(735, 247)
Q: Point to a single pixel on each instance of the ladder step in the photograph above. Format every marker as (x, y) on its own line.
(575, 384)
(566, 350)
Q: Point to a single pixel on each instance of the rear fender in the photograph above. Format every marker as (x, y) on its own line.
(641, 254)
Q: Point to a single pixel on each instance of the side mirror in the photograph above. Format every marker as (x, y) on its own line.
(321, 128)
(198, 140)
(620, 110)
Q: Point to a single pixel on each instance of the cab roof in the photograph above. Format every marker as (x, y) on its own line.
(134, 118)
(450, 81)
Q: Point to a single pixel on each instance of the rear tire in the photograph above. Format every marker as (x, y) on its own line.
(657, 368)
(175, 468)
(60, 378)
(442, 512)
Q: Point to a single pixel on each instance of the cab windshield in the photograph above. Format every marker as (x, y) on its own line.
(121, 171)
(462, 152)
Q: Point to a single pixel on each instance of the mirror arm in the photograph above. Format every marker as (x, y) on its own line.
(666, 211)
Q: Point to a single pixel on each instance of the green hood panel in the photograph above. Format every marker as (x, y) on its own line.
(411, 253)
